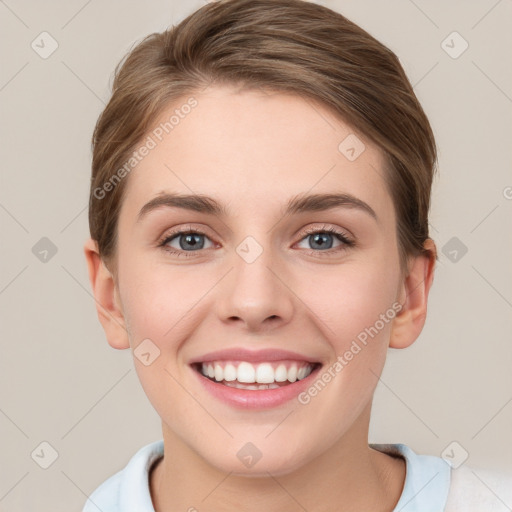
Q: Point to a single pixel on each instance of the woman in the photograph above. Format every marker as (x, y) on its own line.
(259, 237)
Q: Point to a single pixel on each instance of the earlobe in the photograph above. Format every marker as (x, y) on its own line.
(409, 322)
(108, 305)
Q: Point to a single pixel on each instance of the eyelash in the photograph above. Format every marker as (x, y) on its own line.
(340, 235)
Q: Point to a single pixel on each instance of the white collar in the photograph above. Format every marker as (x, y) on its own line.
(426, 487)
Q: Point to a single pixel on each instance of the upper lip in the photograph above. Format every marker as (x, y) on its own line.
(254, 356)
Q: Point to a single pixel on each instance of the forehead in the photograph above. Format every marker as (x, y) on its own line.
(253, 150)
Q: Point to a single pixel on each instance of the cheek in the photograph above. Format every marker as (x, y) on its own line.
(356, 305)
(157, 298)
(352, 298)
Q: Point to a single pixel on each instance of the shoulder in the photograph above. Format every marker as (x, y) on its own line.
(427, 479)
(476, 489)
(431, 483)
(106, 496)
(127, 489)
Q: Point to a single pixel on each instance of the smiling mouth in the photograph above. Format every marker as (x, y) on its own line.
(264, 375)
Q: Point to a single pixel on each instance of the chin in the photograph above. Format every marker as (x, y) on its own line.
(248, 461)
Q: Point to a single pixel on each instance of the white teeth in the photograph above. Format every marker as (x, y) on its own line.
(246, 373)
(263, 374)
(229, 372)
(292, 373)
(281, 374)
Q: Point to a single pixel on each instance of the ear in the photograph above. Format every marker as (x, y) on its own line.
(409, 322)
(108, 304)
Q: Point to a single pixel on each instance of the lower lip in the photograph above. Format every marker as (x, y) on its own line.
(256, 398)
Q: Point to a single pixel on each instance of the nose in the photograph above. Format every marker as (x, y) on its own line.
(256, 294)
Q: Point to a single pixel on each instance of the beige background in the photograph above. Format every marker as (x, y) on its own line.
(60, 381)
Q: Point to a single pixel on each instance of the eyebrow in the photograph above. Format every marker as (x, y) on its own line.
(298, 204)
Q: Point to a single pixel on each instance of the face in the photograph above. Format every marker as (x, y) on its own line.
(253, 291)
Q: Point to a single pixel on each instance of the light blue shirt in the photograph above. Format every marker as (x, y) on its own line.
(426, 487)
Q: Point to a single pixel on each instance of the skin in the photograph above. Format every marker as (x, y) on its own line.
(252, 151)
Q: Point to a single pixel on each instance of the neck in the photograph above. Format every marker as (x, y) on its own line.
(349, 476)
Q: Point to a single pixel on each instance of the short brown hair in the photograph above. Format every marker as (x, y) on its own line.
(292, 46)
